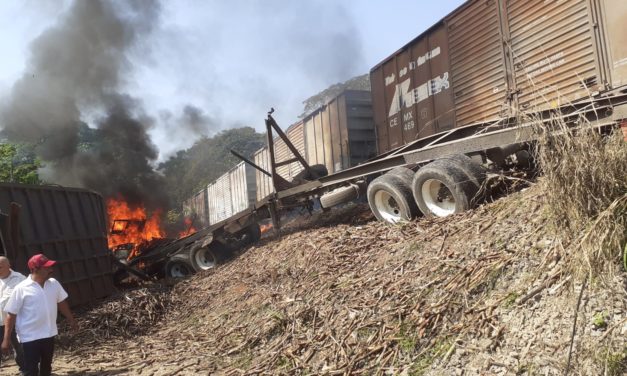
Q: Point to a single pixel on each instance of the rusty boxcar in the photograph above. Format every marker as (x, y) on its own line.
(496, 59)
(66, 224)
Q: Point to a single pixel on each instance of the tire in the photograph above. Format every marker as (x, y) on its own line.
(178, 266)
(442, 188)
(404, 173)
(474, 170)
(390, 199)
(304, 175)
(203, 258)
(339, 196)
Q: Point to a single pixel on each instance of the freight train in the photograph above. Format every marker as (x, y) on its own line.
(458, 100)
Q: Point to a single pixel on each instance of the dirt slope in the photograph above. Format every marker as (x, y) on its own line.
(481, 293)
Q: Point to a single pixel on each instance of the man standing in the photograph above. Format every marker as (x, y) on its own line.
(8, 280)
(32, 310)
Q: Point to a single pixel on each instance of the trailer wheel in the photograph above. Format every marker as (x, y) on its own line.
(203, 258)
(178, 267)
(474, 170)
(442, 188)
(391, 200)
(404, 173)
(339, 196)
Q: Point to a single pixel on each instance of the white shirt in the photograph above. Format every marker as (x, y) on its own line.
(35, 308)
(6, 287)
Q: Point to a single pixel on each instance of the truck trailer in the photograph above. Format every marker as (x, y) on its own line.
(467, 95)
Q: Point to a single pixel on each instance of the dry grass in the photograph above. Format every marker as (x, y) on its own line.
(585, 190)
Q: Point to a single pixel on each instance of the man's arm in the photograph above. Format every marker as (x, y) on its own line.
(5, 294)
(9, 324)
(64, 308)
(7, 289)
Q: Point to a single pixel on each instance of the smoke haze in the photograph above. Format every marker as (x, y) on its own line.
(75, 71)
(104, 63)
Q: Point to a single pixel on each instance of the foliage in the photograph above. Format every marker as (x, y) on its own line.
(18, 164)
(586, 185)
(316, 101)
(190, 170)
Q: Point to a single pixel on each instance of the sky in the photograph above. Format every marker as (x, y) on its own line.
(214, 65)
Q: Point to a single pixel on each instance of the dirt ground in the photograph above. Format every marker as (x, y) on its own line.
(481, 293)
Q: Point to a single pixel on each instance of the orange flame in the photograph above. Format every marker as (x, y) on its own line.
(189, 229)
(265, 228)
(131, 225)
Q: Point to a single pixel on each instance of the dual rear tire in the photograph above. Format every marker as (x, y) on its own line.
(443, 187)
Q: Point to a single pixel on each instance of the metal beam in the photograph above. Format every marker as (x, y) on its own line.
(250, 162)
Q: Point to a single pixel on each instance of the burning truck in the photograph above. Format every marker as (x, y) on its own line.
(141, 246)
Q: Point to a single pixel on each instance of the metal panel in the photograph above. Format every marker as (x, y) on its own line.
(219, 199)
(264, 184)
(438, 67)
(327, 139)
(553, 52)
(296, 134)
(614, 21)
(359, 127)
(242, 192)
(311, 153)
(348, 131)
(282, 153)
(335, 125)
(412, 91)
(68, 225)
(477, 63)
(318, 137)
(196, 207)
(379, 104)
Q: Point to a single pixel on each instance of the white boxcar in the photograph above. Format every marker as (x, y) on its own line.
(231, 193)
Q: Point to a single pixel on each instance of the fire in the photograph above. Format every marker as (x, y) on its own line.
(131, 225)
(265, 228)
(189, 228)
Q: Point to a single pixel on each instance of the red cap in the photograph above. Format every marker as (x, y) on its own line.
(40, 261)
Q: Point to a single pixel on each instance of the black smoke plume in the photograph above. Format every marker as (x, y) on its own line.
(75, 74)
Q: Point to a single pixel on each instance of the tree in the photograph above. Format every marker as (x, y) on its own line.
(325, 96)
(193, 169)
(18, 164)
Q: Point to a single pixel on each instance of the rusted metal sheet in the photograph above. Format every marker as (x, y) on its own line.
(67, 225)
(341, 133)
(553, 51)
(477, 63)
(196, 207)
(412, 91)
(491, 59)
(264, 183)
(614, 19)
